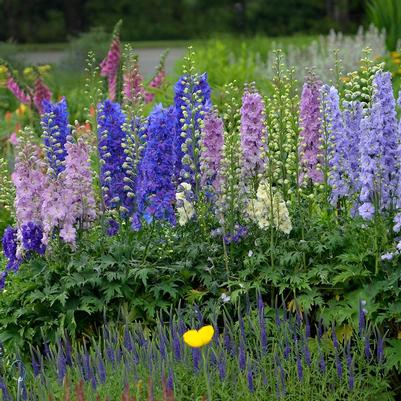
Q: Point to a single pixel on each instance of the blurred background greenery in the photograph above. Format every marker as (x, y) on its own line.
(39, 21)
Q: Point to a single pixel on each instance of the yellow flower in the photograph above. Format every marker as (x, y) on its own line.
(21, 110)
(395, 54)
(397, 61)
(28, 71)
(199, 338)
(3, 69)
(44, 68)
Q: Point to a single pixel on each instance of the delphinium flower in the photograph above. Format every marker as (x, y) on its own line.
(77, 183)
(352, 117)
(134, 143)
(31, 238)
(309, 147)
(158, 79)
(283, 127)
(338, 145)
(109, 67)
(262, 209)
(9, 245)
(110, 119)
(184, 203)
(211, 152)
(30, 180)
(41, 93)
(56, 129)
(378, 150)
(252, 132)
(358, 84)
(155, 188)
(7, 193)
(191, 100)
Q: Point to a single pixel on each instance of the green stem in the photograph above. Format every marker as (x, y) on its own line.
(209, 390)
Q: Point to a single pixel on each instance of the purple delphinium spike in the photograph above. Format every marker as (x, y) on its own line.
(227, 341)
(322, 362)
(162, 344)
(320, 330)
(155, 187)
(110, 119)
(211, 150)
(299, 367)
(334, 337)
(68, 351)
(339, 366)
(310, 124)
(86, 363)
(110, 354)
(287, 348)
(191, 100)
(32, 235)
(9, 243)
(56, 131)
(170, 380)
(307, 327)
(252, 131)
(112, 227)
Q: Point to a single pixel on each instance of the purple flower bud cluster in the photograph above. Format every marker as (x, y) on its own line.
(56, 130)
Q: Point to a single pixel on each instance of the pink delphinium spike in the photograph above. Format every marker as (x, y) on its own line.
(41, 93)
(110, 65)
(17, 91)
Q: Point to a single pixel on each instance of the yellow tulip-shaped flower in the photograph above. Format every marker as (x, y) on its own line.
(199, 338)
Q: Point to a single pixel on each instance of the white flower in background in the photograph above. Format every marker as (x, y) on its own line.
(185, 208)
(225, 298)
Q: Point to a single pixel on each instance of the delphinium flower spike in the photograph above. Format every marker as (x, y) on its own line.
(155, 189)
(191, 100)
(56, 130)
(252, 131)
(309, 147)
(110, 120)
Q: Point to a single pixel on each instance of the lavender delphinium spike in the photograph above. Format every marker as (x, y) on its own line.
(368, 352)
(196, 357)
(380, 348)
(378, 149)
(338, 145)
(252, 131)
(310, 124)
(362, 317)
(211, 152)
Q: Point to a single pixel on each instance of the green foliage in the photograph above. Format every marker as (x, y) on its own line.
(386, 14)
